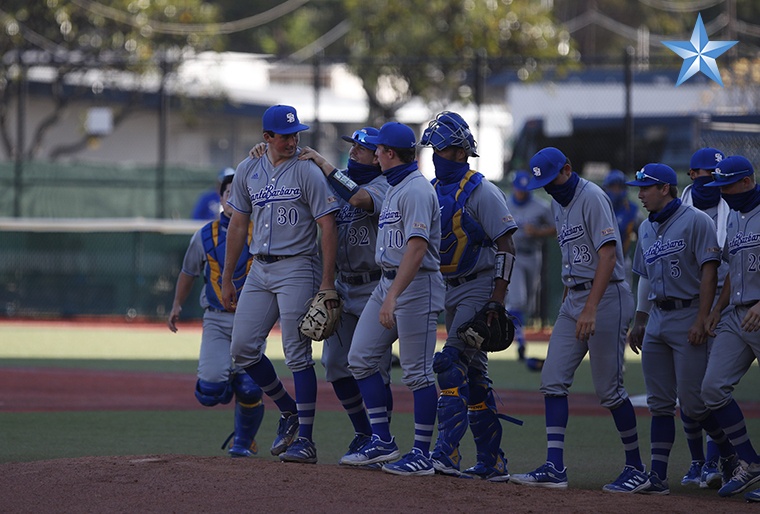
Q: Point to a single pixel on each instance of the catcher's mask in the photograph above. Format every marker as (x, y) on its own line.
(449, 129)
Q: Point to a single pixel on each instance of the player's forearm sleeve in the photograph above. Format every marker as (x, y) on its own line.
(644, 304)
(342, 184)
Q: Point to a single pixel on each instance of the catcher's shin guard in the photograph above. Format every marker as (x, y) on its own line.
(452, 410)
(484, 422)
(249, 412)
(248, 419)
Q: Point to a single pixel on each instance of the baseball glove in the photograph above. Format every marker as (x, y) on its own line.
(320, 321)
(494, 338)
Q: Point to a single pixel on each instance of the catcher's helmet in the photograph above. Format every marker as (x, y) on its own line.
(449, 129)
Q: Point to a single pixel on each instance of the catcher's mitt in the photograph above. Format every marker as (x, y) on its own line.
(320, 321)
(497, 337)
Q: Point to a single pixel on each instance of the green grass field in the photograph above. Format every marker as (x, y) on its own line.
(593, 451)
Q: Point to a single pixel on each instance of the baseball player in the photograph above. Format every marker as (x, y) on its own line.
(288, 199)
(477, 256)
(208, 205)
(704, 470)
(677, 258)
(218, 379)
(534, 221)
(737, 339)
(626, 212)
(593, 319)
(405, 305)
(361, 188)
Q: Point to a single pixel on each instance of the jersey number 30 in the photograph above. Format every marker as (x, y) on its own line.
(287, 216)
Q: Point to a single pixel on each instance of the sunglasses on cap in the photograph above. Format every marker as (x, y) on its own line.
(360, 136)
(719, 176)
(640, 175)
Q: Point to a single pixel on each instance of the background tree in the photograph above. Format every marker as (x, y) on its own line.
(429, 48)
(72, 38)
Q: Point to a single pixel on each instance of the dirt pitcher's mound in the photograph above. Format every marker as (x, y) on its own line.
(179, 483)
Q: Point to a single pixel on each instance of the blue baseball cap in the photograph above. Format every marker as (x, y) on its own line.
(655, 173)
(545, 166)
(706, 159)
(394, 135)
(521, 181)
(360, 137)
(282, 119)
(614, 177)
(731, 169)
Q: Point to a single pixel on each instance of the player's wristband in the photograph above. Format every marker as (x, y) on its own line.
(342, 184)
(503, 266)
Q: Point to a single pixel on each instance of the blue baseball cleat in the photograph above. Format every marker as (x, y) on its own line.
(286, 432)
(376, 450)
(744, 476)
(631, 480)
(711, 476)
(446, 464)
(656, 486)
(545, 476)
(753, 496)
(694, 475)
(302, 451)
(357, 443)
(496, 473)
(413, 463)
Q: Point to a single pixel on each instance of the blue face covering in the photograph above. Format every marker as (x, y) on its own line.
(704, 197)
(449, 172)
(398, 173)
(362, 173)
(564, 193)
(743, 202)
(666, 212)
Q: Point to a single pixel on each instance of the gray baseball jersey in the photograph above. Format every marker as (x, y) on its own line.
(284, 203)
(583, 226)
(357, 277)
(735, 350)
(410, 209)
(670, 255)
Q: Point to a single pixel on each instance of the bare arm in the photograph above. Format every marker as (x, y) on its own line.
(237, 232)
(410, 265)
(712, 320)
(586, 324)
(181, 292)
(697, 334)
(329, 249)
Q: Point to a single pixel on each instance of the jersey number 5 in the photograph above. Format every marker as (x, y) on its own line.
(675, 271)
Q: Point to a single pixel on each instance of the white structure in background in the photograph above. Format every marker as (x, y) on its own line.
(235, 89)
